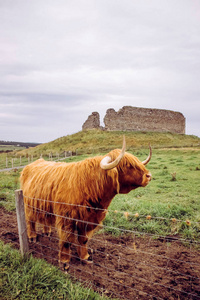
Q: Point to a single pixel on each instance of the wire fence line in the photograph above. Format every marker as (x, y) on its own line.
(126, 214)
(75, 271)
(128, 247)
(134, 264)
(10, 163)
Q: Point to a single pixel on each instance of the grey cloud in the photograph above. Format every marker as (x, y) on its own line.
(59, 61)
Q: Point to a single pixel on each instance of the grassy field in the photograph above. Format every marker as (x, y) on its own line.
(169, 205)
(4, 148)
(171, 200)
(172, 194)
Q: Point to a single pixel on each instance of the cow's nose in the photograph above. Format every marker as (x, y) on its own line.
(149, 176)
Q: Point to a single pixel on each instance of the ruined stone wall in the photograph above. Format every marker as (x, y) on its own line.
(130, 118)
(92, 122)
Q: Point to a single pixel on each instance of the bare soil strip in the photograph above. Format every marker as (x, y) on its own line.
(127, 267)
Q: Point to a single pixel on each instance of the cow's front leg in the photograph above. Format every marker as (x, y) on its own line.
(82, 248)
(84, 235)
(64, 255)
(66, 238)
(31, 230)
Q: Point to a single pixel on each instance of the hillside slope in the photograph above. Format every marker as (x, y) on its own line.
(94, 141)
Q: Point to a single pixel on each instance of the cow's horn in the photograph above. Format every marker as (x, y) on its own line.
(149, 157)
(106, 163)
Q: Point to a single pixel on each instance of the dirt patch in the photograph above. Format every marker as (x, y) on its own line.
(127, 267)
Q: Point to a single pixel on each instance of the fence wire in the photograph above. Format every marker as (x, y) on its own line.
(130, 266)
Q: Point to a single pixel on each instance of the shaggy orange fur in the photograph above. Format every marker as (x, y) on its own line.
(74, 197)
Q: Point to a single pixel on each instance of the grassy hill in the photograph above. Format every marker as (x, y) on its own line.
(94, 141)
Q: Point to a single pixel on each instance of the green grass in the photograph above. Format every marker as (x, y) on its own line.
(9, 182)
(30, 278)
(173, 193)
(167, 197)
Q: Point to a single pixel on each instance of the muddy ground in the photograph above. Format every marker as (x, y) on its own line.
(127, 267)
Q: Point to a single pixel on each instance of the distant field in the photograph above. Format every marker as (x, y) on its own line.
(15, 146)
(4, 148)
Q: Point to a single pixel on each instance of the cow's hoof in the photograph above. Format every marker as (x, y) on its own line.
(88, 261)
(64, 266)
(33, 239)
(48, 234)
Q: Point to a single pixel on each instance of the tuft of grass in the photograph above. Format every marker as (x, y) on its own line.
(30, 278)
(173, 176)
(9, 182)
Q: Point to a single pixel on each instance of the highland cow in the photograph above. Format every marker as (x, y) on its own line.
(74, 197)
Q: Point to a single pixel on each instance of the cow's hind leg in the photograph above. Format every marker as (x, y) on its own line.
(30, 223)
(46, 230)
(48, 220)
(31, 230)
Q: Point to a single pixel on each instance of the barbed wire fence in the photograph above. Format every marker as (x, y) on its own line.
(131, 265)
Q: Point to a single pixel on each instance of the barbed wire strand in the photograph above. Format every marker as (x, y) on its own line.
(130, 261)
(125, 213)
(121, 272)
(111, 227)
(110, 269)
(135, 233)
(147, 253)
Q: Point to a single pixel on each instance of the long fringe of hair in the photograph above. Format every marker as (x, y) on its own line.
(53, 187)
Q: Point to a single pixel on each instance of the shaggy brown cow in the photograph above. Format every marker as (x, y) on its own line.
(74, 197)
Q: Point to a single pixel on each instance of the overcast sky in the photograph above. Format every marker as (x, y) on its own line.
(62, 60)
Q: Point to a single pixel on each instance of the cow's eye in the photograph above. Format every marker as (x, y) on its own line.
(148, 176)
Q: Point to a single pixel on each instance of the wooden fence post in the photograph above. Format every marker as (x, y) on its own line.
(21, 221)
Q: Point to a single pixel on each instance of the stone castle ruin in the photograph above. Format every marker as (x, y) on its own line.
(130, 118)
